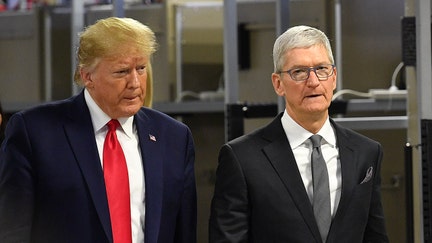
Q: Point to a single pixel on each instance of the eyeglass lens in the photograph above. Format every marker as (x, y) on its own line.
(301, 74)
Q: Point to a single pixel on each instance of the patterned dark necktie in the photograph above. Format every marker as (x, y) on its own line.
(321, 191)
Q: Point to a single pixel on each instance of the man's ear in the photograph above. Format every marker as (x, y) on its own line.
(276, 81)
(335, 79)
(86, 77)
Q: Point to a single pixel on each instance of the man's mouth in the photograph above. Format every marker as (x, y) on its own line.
(131, 98)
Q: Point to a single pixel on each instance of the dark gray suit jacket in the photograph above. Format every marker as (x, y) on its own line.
(260, 197)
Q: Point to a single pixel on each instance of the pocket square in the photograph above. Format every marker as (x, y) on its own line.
(368, 176)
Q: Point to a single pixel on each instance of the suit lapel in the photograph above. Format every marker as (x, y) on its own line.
(348, 160)
(151, 152)
(80, 134)
(282, 159)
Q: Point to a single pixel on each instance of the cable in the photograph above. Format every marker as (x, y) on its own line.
(394, 76)
(187, 93)
(350, 91)
(371, 93)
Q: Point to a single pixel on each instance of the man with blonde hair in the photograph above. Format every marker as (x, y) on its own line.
(99, 166)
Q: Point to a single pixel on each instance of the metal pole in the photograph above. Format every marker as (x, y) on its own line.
(408, 153)
(423, 43)
(424, 87)
(47, 53)
(282, 24)
(230, 51)
(230, 59)
(77, 25)
(178, 50)
(118, 9)
(338, 43)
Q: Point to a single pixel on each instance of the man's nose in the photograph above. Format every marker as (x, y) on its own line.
(313, 77)
(134, 80)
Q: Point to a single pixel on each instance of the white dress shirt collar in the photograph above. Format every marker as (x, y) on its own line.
(297, 135)
(100, 118)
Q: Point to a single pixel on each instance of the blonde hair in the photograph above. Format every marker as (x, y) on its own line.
(104, 39)
(148, 102)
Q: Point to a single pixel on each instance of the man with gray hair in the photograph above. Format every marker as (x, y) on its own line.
(302, 178)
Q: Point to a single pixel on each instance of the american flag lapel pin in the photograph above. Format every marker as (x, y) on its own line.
(153, 138)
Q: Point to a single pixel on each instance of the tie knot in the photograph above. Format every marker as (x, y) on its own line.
(316, 140)
(113, 124)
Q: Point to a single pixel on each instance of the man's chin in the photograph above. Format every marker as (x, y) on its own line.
(130, 110)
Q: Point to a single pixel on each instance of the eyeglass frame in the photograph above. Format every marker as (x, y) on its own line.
(309, 69)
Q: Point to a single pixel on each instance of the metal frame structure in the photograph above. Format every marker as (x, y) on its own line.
(231, 54)
(423, 120)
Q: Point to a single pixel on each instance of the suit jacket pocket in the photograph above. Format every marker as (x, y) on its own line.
(363, 191)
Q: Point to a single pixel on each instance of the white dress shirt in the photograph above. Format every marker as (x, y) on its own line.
(129, 141)
(301, 146)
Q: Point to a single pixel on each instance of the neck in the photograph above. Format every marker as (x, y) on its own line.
(312, 122)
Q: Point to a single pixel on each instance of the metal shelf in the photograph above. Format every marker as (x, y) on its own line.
(190, 107)
(374, 123)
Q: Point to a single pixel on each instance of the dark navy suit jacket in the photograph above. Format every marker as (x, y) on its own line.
(52, 186)
(260, 196)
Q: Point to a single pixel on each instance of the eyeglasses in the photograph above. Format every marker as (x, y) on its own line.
(323, 72)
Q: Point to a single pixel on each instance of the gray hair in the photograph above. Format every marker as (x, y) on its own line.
(298, 37)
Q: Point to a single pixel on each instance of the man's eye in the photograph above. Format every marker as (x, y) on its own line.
(124, 71)
(322, 68)
(299, 71)
(141, 69)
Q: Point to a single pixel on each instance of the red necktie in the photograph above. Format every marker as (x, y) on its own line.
(117, 186)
